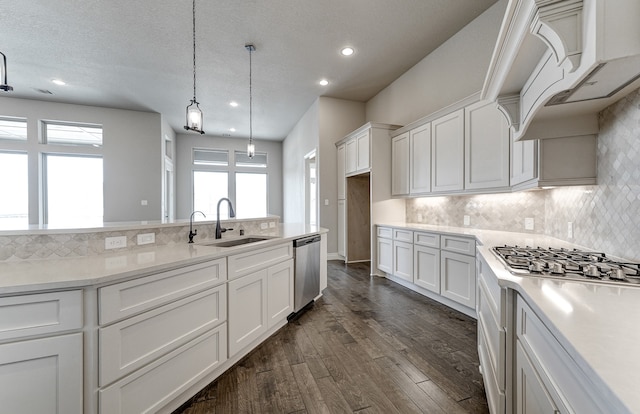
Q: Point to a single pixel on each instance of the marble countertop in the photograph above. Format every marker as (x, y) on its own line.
(77, 272)
(595, 322)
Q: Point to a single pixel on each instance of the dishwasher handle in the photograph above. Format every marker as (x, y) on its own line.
(306, 241)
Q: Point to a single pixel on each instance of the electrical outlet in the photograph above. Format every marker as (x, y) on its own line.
(528, 223)
(326, 201)
(143, 202)
(419, 218)
(467, 220)
(116, 242)
(570, 229)
(264, 226)
(146, 238)
(272, 224)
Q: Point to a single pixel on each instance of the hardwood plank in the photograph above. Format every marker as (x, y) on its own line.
(332, 396)
(448, 404)
(309, 391)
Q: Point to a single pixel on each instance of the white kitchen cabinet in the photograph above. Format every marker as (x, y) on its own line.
(280, 292)
(351, 151)
(426, 267)
(400, 165)
(42, 375)
(447, 152)
(524, 161)
(247, 310)
(458, 278)
(403, 260)
(420, 159)
(358, 153)
(342, 228)
(385, 249)
(532, 396)
(486, 147)
(341, 168)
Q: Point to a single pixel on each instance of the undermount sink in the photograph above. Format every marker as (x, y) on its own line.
(236, 242)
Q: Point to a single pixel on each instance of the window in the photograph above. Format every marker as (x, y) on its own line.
(73, 192)
(72, 134)
(14, 129)
(14, 208)
(242, 179)
(251, 194)
(208, 188)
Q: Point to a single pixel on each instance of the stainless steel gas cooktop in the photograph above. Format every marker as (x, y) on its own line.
(567, 264)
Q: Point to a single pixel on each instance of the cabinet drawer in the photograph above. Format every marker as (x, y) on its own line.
(495, 296)
(139, 295)
(556, 367)
(461, 245)
(43, 313)
(496, 398)
(403, 235)
(495, 338)
(130, 344)
(249, 262)
(426, 239)
(149, 389)
(385, 232)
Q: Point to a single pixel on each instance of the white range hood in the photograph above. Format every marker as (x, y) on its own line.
(557, 63)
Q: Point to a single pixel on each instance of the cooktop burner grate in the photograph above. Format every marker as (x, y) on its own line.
(567, 264)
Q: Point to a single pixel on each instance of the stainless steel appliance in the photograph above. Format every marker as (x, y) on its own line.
(306, 254)
(567, 264)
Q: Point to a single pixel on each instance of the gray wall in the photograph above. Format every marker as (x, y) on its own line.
(183, 167)
(453, 71)
(327, 121)
(132, 154)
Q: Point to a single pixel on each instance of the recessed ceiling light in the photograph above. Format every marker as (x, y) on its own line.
(232, 129)
(324, 82)
(233, 103)
(59, 82)
(347, 51)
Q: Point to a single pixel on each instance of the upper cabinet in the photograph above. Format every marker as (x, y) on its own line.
(447, 152)
(557, 63)
(358, 152)
(400, 165)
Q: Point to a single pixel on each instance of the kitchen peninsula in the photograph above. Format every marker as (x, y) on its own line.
(145, 328)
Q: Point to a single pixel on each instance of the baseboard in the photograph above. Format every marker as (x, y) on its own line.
(334, 256)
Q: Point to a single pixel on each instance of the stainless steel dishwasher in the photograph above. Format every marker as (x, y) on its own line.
(306, 254)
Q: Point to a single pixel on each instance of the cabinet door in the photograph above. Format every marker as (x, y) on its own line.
(426, 268)
(385, 255)
(342, 226)
(400, 165)
(403, 260)
(280, 292)
(531, 395)
(420, 159)
(351, 151)
(447, 152)
(42, 375)
(364, 141)
(486, 147)
(458, 278)
(524, 161)
(341, 171)
(247, 310)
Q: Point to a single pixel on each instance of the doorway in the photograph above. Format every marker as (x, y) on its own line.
(311, 189)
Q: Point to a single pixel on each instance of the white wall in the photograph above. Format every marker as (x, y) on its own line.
(132, 160)
(183, 165)
(453, 71)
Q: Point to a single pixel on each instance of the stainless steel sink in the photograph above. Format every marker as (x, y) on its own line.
(236, 242)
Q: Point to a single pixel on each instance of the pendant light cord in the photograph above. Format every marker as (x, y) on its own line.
(194, 50)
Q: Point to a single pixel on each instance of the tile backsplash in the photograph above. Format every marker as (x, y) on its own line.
(605, 217)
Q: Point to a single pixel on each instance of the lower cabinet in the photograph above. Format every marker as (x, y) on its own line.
(532, 395)
(458, 278)
(385, 254)
(342, 228)
(403, 260)
(257, 302)
(426, 267)
(42, 375)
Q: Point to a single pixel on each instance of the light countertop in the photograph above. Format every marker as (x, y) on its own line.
(596, 323)
(77, 272)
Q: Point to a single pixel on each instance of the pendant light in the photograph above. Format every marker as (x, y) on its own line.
(194, 114)
(3, 75)
(251, 148)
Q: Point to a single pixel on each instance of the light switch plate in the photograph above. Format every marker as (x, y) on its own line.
(146, 238)
(467, 220)
(264, 226)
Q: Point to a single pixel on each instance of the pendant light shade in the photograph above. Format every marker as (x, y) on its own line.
(3, 75)
(194, 113)
(251, 148)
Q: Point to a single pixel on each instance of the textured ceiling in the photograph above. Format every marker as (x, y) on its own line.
(137, 54)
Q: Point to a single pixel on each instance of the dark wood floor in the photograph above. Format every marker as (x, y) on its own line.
(367, 346)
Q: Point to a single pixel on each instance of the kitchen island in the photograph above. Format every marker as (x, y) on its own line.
(143, 329)
(584, 347)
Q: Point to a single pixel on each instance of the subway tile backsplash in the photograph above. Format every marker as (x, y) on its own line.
(605, 217)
